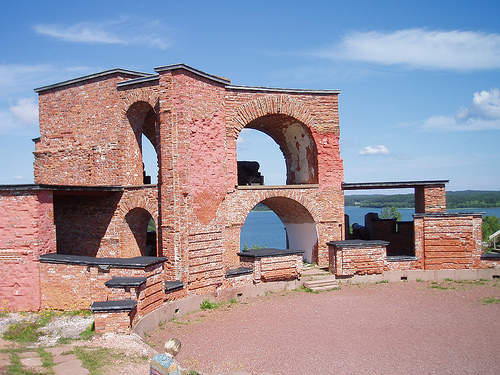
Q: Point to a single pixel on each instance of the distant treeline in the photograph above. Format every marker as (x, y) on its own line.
(454, 199)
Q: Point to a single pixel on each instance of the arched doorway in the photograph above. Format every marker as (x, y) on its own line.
(295, 142)
(140, 239)
(142, 155)
(299, 226)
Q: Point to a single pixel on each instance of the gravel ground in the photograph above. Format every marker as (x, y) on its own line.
(394, 328)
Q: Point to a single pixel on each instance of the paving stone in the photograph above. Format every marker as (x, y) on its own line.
(28, 355)
(59, 350)
(73, 367)
(64, 358)
(32, 362)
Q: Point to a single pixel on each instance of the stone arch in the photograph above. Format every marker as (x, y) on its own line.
(135, 213)
(300, 225)
(141, 115)
(268, 105)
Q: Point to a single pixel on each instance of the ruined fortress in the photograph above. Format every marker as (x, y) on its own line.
(78, 238)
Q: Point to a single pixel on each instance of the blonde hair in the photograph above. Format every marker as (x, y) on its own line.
(173, 346)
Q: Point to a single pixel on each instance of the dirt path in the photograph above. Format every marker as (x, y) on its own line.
(396, 328)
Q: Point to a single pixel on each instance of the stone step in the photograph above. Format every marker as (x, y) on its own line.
(321, 285)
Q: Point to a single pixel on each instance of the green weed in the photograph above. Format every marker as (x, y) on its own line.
(491, 300)
(208, 305)
(88, 333)
(23, 332)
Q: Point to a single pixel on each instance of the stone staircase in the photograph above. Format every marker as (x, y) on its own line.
(319, 279)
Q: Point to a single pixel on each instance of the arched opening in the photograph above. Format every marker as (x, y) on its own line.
(254, 145)
(296, 144)
(299, 232)
(143, 154)
(141, 237)
(263, 229)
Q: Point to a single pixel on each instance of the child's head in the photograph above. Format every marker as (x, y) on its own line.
(173, 346)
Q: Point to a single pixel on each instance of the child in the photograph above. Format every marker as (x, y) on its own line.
(164, 364)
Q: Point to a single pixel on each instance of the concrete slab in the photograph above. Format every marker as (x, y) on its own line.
(445, 274)
(466, 275)
(70, 368)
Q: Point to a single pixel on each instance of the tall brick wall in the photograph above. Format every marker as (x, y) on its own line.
(26, 230)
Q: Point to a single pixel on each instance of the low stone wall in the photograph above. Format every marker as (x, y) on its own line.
(72, 283)
(357, 257)
(272, 264)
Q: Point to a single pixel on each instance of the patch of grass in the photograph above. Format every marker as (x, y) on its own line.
(491, 300)
(308, 290)
(17, 368)
(22, 332)
(208, 305)
(88, 333)
(190, 372)
(233, 301)
(419, 280)
(46, 357)
(440, 287)
(382, 282)
(95, 359)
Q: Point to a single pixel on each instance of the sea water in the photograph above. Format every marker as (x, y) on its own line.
(265, 229)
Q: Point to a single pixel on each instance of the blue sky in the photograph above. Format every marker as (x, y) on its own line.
(420, 79)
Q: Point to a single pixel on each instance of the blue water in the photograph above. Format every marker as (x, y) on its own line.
(264, 228)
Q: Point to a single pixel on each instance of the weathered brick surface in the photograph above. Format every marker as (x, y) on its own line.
(91, 134)
(73, 287)
(276, 268)
(449, 241)
(26, 231)
(357, 260)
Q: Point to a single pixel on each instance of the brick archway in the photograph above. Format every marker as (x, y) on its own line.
(296, 213)
(269, 105)
(289, 123)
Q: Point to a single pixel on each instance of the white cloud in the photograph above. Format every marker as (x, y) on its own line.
(26, 110)
(124, 31)
(420, 49)
(374, 150)
(483, 114)
(18, 178)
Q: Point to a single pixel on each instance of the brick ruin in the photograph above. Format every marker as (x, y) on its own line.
(78, 238)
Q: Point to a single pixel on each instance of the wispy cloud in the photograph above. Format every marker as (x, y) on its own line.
(374, 150)
(25, 111)
(419, 49)
(483, 114)
(124, 31)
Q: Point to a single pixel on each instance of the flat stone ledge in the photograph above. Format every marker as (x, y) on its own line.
(490, 256)
(82, 260)
(113, 306)
(401, 258)
(239, 272)
(263, 253)
(173, 285)
(358, 243)
(125, 282)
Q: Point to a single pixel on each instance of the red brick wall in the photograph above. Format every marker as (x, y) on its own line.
(74, 287)
(26, 230)
(449, 241)
(357, 260)
(276, 268)
(430, 199)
